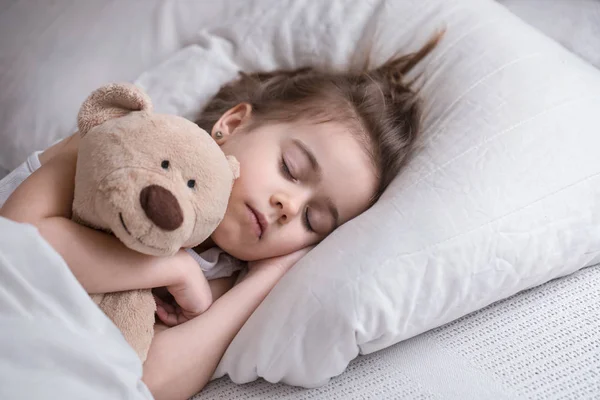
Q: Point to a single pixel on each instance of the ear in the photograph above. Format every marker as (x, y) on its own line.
(234, 164)
(231, 120)
(111, 101)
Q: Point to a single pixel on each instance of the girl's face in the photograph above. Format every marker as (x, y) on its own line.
(298, 182)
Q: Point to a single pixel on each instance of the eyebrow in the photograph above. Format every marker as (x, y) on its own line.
(317, 169)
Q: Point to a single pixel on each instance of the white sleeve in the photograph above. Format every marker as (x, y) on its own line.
(54, 341)
(215, 263)
(9, 183)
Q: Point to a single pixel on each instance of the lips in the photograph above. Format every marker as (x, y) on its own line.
(258, 220)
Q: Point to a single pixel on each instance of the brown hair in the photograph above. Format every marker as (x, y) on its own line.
(378, 105)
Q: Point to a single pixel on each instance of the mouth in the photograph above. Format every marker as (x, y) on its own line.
(258, 221)
(138, 239)
(123, 224)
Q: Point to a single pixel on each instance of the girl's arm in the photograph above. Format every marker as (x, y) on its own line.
(100, 262)
(67, 144)
(48, 192)
(220, 286)
(182, 359)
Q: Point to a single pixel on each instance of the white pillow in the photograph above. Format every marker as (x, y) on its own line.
(505, 194)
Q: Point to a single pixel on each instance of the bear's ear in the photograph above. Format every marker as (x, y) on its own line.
(234, 164)
(111, 101)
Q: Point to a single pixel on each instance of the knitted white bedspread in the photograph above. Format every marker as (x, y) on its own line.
(540, 344)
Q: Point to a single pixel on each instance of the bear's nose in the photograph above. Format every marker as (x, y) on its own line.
(161, 207)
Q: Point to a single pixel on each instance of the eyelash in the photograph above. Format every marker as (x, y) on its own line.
(285, 170)
(288, 174)
(306, 221)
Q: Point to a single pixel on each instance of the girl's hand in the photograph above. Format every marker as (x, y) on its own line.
(191, 293)
(277, 265)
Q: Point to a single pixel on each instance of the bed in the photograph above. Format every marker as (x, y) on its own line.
(543, 343)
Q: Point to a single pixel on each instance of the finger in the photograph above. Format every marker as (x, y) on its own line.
(186, 315)
(161, 314)
(167, 318)
(181, 317)
(160, 303)
(176, 317)
(167, 306)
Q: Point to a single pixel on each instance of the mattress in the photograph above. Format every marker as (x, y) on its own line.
(543, 343)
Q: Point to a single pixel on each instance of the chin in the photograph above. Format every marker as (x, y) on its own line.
(228, 237)
(236, 252)
(232, 247)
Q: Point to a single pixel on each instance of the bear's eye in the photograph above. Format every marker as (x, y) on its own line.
(165, 164)
(191, 183)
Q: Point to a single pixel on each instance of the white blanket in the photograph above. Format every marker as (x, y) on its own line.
(54, 341)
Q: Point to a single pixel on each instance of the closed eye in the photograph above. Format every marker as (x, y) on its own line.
(306, 221)
(285, 170)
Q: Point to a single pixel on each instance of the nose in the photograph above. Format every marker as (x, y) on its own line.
(161, 207)
(287, 206)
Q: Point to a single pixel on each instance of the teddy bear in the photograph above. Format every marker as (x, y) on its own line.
(157, 182)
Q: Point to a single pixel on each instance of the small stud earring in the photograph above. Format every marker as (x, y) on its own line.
(218, 135)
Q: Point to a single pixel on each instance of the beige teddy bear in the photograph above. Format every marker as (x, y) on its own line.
(157, 182)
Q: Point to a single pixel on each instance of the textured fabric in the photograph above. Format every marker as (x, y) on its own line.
(120, 157)
(215, 263)
(54, 342)
(9, 183)
(541, 344)
(110, 102)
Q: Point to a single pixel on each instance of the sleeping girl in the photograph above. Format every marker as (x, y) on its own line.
(315, 148)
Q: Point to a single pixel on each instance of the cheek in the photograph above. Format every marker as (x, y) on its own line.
(290, 238)
(256, 183)
(258, 158)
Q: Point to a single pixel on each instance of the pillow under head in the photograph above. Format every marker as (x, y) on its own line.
(504, 194)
